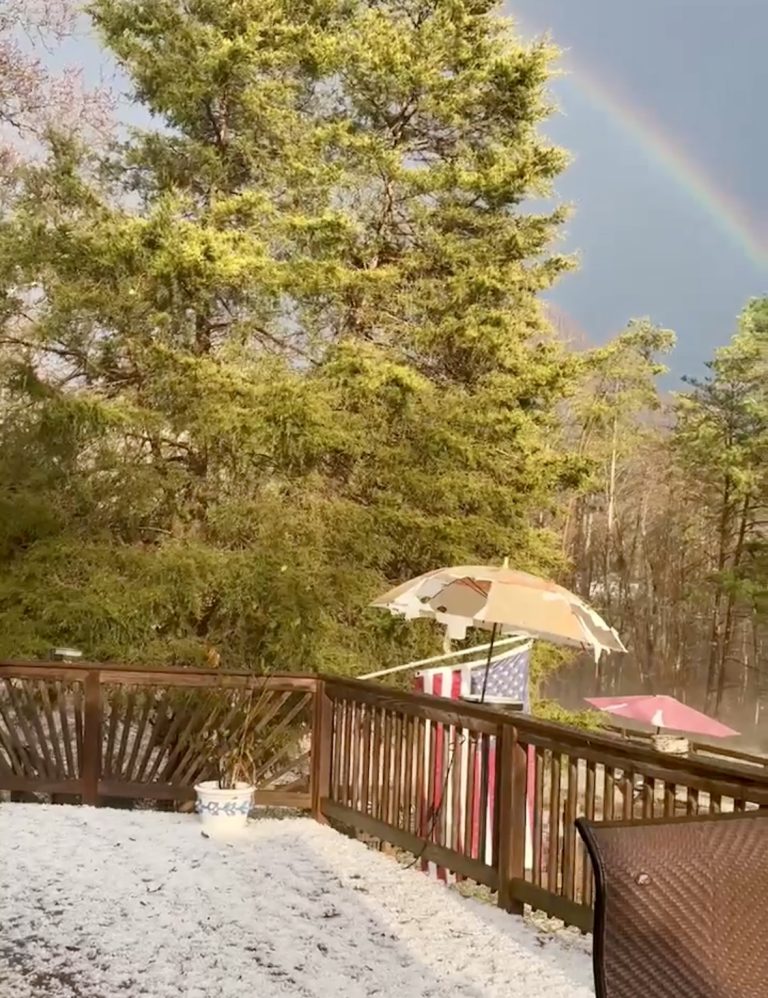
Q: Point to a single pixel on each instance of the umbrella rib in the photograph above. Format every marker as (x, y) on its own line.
(474, 584)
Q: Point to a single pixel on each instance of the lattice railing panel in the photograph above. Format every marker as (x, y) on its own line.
(41, 728)
(154, 735)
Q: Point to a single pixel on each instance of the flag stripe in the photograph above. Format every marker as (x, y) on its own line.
(444, 815)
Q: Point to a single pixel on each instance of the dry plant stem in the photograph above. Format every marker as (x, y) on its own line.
(232, 765)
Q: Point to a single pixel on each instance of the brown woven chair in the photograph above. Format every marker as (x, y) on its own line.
(681, 906)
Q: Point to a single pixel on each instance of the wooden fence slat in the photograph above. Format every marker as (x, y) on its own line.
(346, 755)
(609, 795)
(17, 700)
(377, 739)
(432, 781)
(53, 734)
(182, 743)
(649, 794)
(366, 778)
(419, 790)
(355, 761)
(443, 792)
(214, 714)
(693, 801)
(469, 809)
(409, 772)
(322, 749)
(538, 817)
(569, 830)
(146, 698)
(336, 748)
(33, 692)
(590, 794)
(511, 820)
(275, 759)
(19, 759)
(114, 703)
(179, 718)
(91, 771)
(130, 697)
(670, 798)
(78, 698)
(397, 767)
(386, 775)
(458, 783)
(553, 863)
(628, 791)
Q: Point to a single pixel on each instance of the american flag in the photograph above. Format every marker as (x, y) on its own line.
(507, 677)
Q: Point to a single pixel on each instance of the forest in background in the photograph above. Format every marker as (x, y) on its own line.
(670, 540)
(287, 345)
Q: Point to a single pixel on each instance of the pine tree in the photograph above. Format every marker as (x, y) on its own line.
(722, 439)
(286, 347)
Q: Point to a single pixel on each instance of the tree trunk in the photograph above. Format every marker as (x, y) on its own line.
(725, 644)
(715, 637)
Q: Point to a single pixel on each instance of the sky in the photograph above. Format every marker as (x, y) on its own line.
(660, 106)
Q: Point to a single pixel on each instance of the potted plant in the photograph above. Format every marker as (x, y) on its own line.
(225, 803)
(671, 744)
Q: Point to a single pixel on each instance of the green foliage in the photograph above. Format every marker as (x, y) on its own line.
(722, 440)
(723, 420)
(551, 710)
(546, 660)
(617, 396)
(285, 348)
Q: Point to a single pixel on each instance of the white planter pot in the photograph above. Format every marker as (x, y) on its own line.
(223, 812)
(671, 744)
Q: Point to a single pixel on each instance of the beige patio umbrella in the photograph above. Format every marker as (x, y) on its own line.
(504, 601)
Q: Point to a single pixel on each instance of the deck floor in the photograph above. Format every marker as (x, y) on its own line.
(105, 903)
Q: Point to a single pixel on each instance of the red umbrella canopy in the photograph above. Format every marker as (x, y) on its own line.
(663, 712)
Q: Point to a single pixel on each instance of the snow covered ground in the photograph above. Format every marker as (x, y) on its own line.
(104, 904)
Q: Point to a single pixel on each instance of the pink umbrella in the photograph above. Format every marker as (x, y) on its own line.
(663, 712)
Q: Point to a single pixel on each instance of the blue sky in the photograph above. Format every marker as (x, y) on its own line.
(697, 69)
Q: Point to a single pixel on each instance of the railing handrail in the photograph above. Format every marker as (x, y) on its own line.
(174, 676)
(708, 748)
(52, 665)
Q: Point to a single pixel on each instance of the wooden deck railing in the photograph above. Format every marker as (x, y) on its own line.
(456, 784)
(103, 732)
(488, 795)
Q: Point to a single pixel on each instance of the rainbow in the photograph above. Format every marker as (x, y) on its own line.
(722, 208)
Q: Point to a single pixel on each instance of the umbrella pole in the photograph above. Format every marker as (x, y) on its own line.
(488, 662)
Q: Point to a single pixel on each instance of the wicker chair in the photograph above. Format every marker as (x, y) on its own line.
(681, 906)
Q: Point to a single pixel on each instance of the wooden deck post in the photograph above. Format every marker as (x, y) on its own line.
(91, 767)
(511, 807)
(322, 747)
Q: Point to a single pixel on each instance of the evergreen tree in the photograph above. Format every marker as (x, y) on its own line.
(722, 439)
(286, 347)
